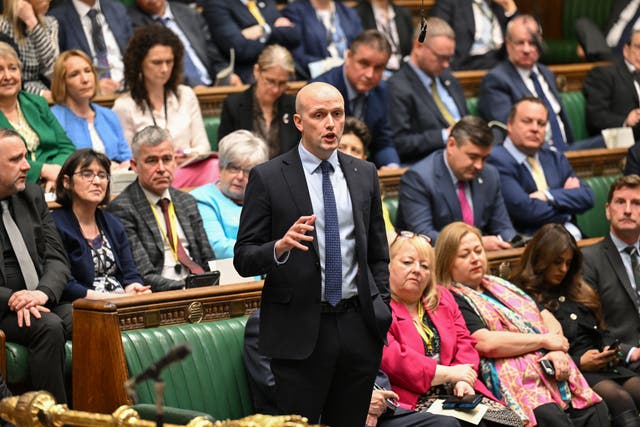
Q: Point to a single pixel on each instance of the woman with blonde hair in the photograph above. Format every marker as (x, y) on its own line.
(513, 337)
(36, 37)
(48, 146)
(75, 84)
(265, 108)
(429, 352)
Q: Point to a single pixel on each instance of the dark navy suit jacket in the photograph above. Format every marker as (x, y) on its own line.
(416, 121)
(82, 268)
(428, 200)
(528, 214)
(376, 117)
(502, 87)
(313, 35)
(227, 19)
(71, 35)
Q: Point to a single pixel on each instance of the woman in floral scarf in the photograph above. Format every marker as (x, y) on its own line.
(513, 337)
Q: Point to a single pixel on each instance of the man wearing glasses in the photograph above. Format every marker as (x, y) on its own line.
(426, 99)
(163, 224)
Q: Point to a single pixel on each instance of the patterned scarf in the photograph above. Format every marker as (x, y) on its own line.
(520, 381)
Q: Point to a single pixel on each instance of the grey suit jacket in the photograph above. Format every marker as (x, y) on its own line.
(603, 269)
(147, 246)
(31, 214)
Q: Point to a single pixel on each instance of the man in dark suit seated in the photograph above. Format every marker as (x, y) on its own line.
(522, 75)
(455, 184)
(202, 59)
(366, 96)
(247, 26)
(611, 266)
(163, 224)
(612, 91)
(99, 28)
(381, 414)
(33, 271)
(312, 222)
(538, 184)
(479, 27)
(426, 99)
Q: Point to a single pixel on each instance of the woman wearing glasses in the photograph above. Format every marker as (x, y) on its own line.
(97, 245)
(265, 108)
(220, 203)
(430, 352)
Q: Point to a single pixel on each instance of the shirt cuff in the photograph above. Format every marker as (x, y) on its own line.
(626, 359)
(283, 259)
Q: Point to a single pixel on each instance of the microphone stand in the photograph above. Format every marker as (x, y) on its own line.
(158, 386)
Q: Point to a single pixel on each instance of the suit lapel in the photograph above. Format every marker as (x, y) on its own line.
(184, 218)
(424, 95)
(142, 206)
(627, 78)
(293, 175)
(615, 259)
(75, 22)
(22, 218)
(352, 176)
(478, 199)
(446, 189)
(519, 82)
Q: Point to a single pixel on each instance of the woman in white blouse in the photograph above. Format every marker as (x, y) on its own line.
(153, 73)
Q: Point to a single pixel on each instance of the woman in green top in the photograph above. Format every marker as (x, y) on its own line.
(47, 143)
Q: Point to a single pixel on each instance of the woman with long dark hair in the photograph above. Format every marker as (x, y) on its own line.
(549, 271)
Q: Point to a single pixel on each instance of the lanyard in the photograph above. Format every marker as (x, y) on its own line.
(172, 223)
(166, 119)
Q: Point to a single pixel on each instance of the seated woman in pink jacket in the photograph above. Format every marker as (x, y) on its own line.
(430, 352)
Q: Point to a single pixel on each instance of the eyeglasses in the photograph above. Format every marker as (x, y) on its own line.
(439, 58)
(410, 235)
(89, 175)
(237, 169)
(282, 84)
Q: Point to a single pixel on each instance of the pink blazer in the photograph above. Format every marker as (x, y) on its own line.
(404, 361)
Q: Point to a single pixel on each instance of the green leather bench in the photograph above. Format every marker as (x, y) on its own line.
(593, 222)
(212, 379)
(211, 125)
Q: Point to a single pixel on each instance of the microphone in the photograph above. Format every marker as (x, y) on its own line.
(423, 24)
(178, 353)
(423, 31)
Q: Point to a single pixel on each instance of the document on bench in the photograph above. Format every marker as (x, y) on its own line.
(473, 416)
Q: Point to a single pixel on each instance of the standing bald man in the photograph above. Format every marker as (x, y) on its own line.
(312, 222)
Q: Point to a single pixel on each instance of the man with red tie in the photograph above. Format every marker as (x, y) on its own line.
(163, 224)
(455, 184)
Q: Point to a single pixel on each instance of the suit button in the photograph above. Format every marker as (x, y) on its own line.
(317, 264)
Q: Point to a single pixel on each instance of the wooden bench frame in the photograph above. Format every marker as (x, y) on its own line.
(99, 364)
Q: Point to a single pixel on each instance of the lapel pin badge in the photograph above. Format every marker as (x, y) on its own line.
(285, 118)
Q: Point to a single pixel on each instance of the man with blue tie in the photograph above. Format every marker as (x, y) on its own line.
(202, 59)
(522, 75)
(312, 222)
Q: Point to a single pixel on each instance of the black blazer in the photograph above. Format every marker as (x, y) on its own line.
(275, 197)
(610, 95)
(196, 30)
(604, 271)
(237, 113)
(403, 21)
(31, 214)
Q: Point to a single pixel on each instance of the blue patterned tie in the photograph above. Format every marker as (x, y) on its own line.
(556, 133)
(99, 45)
(333, 257)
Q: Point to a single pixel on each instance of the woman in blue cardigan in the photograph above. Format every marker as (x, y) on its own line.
(87, 124)
(102, 265)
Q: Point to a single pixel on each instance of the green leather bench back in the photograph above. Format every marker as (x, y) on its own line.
(212, 379)
(18, 363)
(392, 206)
(574, 105)
(211, 125)
(593, 222)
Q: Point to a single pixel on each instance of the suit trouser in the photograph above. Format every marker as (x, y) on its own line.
(45, 340)
(333, 385)
(404, 418)
(552, 415)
